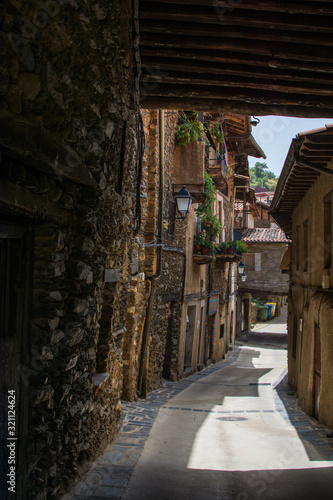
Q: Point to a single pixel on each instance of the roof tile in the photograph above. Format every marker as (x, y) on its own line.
(265, 235)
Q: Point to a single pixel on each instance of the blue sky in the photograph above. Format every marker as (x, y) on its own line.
(275, 133)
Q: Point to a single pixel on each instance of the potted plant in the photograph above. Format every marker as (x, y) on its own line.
(230, 247)
(189, 129)
(205, 210)
(199, 240)
(240, 247)
(217, 133)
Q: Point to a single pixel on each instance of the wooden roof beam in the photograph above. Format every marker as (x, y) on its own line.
(228, 81)
(214, 30)
(236, 17)
(230, 57)
(322, 7)
(248, 95)
(274, 50)
(182, 67)
(239, 106)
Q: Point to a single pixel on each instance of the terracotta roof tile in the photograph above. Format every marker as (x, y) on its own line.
(265, 235)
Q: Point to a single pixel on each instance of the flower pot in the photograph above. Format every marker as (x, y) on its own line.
(230, 250)
(197, 247)
(205, 250)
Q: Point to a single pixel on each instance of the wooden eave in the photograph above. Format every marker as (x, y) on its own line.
(296, 179)
(267, 57)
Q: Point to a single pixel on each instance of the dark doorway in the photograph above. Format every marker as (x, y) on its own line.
(211, 333)
(200, 334)
(190, 327)
(317, 371)
(231, 327)
(245, 314)
(15, 285)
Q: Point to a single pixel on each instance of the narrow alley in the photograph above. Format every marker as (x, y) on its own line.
(231, 432)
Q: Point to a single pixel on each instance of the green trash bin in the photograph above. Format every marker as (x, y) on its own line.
(262, 313)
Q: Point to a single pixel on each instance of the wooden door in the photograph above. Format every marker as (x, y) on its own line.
(15, 277)
(317, 371)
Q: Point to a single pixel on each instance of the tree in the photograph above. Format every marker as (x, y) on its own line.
(260, 176)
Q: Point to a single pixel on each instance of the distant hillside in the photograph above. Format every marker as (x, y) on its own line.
(260, 176)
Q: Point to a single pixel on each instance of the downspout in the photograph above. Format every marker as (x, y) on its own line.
(233, 215)
(142, 377)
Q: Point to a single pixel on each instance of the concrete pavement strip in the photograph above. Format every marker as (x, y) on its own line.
(109, 475)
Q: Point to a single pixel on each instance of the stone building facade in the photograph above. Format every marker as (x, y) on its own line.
(265, 280)
(304, 211)
(70, 220)
(193, 319)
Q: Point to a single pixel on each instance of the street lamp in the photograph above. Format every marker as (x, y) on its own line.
(243, 277)
(241, 268)
(184, 202)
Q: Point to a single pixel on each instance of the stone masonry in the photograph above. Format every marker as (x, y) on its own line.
(70, 166)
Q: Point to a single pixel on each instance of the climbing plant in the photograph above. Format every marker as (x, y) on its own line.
(206, 209)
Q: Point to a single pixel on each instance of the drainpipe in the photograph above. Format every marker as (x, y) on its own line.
(233, 215)
(143, 369)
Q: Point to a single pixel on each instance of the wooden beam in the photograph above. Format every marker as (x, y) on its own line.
(246, 82)
(247, 18)
(178, 62)
(272, 50)
(238, 106)
(314, 166)
(214, 30)
(322, 7)
(231, 58)
(258, 96)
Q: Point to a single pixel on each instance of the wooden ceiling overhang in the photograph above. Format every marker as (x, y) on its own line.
(309, 155)
(248, 57)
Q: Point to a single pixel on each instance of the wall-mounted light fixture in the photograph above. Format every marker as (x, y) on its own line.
(241, 271)
(184, 202)
(255, 121)
(241, 267)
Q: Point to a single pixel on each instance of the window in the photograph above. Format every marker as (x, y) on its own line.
(327, 231)
(222, 331)
(257, 261)
(248, 261)
(305, 246)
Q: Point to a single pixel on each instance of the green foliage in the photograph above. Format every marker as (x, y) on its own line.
(205, 210)
(203, 239)
(260, 176)
(191, 131)
(240, 246)
(216, 133)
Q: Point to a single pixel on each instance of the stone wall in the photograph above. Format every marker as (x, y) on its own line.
(268, 278)
(70, 170)
(310, 313)
(165, 324)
